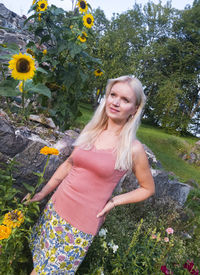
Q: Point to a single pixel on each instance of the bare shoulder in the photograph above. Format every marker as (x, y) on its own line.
(137, 147)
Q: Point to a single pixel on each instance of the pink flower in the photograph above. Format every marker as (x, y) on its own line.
(170, 230)
(153, 236)
(165, 270)
(189, 265)
(166, 239)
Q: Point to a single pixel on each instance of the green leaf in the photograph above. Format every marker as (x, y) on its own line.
(45, 38)
(37, 174)
(39, 69)
(28, 187)
(38, 88)
(8, 88)
(32, 16)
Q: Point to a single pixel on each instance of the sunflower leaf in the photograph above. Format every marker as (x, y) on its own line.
(39, 69)
(39, 88)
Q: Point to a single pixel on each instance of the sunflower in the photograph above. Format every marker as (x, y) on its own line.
(83, 7)
(42, 5)
(98, 72)
(49, 151)
(82, 37)
(88, 20)
(22, 66)
(13, 219)
(5, 232)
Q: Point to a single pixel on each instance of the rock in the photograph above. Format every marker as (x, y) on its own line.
(11, 143)
(43, 120)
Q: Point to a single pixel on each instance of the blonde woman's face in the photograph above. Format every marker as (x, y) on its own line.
(121, 102)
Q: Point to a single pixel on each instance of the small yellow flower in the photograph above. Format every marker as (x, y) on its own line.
(82, 253)
(47, 254)
(78, 241)
(53, 251)
(69, 266)
(5, 232)
(55, 222)
(62, 265)
(13, 219)
(88, 20)
(85, 243)
(39, 17)
(37, 268)
(67, 238)
(49, 151)
(75, 230)
(45, 52)
(67, 248)
(52, 235)
(71, 258)
(82, 4)
(52, 259)
(98, 72)
(98, 91)
(82, 37)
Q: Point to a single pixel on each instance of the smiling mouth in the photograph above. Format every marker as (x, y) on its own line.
(112, 109)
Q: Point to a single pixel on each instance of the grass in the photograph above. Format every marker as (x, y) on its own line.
(165, 146)
(167, 149)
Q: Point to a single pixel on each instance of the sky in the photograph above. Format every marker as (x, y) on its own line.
(108, 6)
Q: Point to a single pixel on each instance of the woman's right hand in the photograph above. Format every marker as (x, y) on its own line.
(37, 197)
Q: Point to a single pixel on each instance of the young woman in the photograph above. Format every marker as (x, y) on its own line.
(105, 150)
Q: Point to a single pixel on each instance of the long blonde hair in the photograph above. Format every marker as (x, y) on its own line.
(128, 133)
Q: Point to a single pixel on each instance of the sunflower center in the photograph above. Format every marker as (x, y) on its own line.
(23, 65)
(89, 21)
(98, 71)
(82, 5)
(42, 6)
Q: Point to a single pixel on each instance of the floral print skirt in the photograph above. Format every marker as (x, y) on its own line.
(57, 247)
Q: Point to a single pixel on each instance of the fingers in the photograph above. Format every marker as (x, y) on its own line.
(27, 197)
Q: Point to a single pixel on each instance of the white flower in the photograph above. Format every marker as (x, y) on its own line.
(115, 247)
(102, 232)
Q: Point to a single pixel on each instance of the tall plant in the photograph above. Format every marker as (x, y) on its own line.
(60, 48)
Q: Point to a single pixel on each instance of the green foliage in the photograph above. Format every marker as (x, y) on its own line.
(67, 61)
(15, 254)
(140, 232)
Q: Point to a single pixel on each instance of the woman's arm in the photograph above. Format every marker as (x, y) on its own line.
(61, 172)
(143, 174)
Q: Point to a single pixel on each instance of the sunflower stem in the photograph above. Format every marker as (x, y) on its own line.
(23, 97)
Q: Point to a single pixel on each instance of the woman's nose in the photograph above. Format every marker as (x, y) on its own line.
(116, 102)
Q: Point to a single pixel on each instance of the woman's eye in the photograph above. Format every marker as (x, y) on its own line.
(126, 100)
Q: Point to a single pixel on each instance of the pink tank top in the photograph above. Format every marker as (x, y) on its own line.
(87, 188)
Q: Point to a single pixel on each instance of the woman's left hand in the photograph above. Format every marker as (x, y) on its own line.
(109, 205)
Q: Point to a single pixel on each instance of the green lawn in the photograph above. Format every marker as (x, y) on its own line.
(166, 147)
